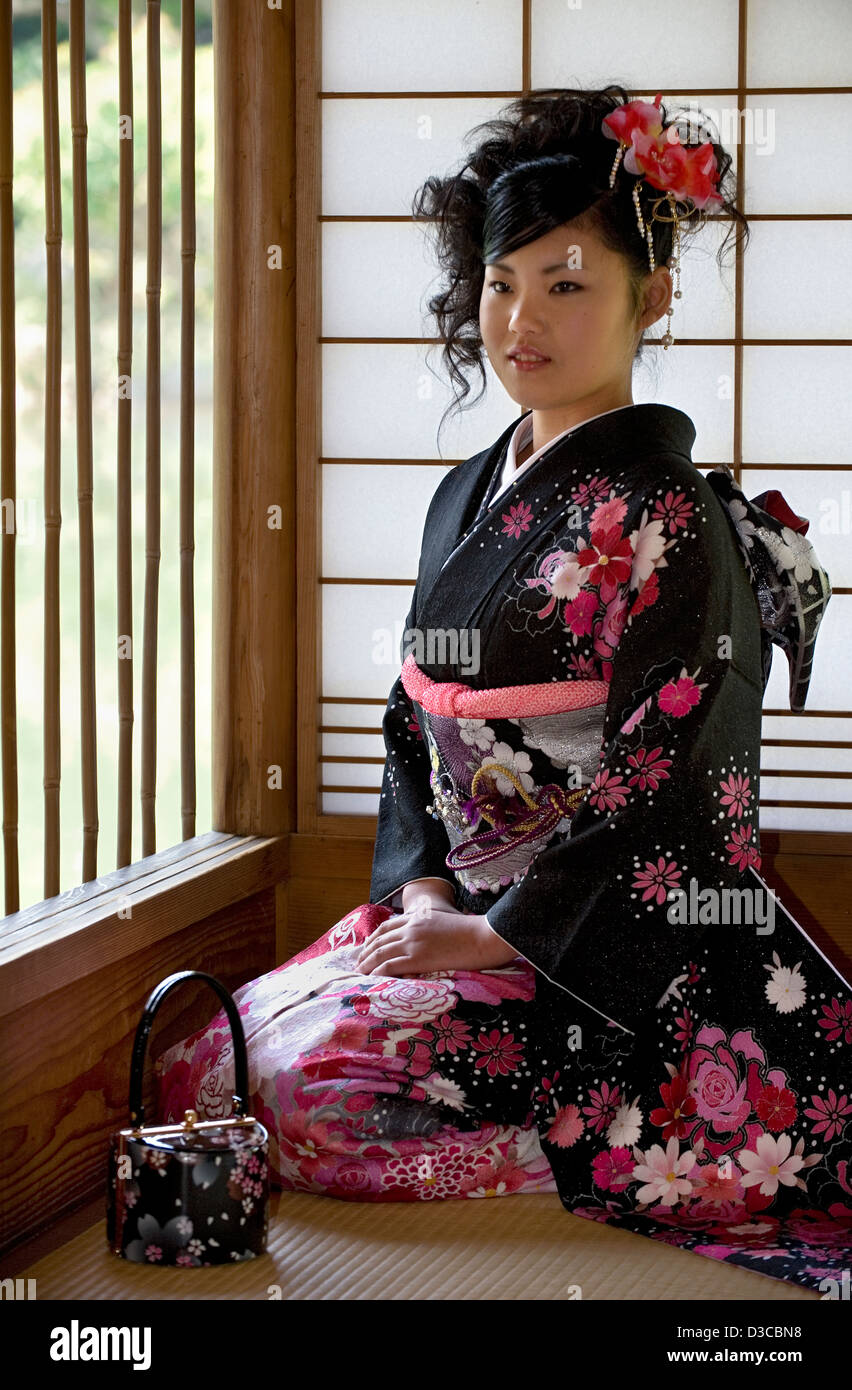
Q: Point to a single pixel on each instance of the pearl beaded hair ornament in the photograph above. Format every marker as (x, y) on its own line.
(685, 174)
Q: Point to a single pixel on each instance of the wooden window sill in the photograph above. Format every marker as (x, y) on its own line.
(61, 940)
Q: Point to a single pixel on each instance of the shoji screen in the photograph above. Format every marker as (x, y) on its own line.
(762, 355)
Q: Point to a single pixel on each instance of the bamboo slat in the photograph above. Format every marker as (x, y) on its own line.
(8, 483)
(187, 419)
(85, 483)
(52, 440)
(124, 469)
(153, 283)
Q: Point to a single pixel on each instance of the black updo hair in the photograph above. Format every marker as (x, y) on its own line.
(545, 162)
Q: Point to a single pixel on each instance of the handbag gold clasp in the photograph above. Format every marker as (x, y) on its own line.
(189, 1125)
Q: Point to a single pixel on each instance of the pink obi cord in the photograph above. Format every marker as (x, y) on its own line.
(461, 701)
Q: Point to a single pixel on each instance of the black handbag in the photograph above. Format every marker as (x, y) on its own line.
(195, 1193)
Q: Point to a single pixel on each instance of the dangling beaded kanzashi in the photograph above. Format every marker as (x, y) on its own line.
(645, 231)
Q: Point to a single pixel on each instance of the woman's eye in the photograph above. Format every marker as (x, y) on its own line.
(493, 284)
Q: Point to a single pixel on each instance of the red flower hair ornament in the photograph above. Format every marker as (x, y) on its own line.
(683, 173)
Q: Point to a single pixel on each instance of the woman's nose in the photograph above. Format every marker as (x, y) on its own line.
(525, 315)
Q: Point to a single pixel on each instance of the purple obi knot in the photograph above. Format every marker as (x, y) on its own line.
(539, 819)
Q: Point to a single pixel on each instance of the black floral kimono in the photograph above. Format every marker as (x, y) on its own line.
(574, 744)
(692, 1047)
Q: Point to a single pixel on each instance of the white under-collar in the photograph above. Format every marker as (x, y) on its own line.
(522, 435)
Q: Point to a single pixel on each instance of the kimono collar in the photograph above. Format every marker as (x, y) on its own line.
(636, 428)
(649, 423)
(523, 434)
(790, 584)
(454, 570)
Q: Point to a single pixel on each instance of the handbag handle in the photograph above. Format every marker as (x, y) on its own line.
(155, 999)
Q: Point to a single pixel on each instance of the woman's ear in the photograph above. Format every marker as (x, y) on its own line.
(657, 296)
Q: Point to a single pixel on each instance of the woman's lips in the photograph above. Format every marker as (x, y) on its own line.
(527, 366)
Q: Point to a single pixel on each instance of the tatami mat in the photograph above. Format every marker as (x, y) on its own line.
(516, 1247)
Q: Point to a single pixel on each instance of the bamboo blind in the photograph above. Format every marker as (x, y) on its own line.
(316, 767)
(85, 444)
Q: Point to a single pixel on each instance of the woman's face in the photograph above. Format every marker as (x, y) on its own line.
(579, 316)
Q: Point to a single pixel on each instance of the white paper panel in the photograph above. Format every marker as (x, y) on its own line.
(831, 677)
(344, 804)
(825, 498)
(805, 818)
(372, 518)
(791, 135)
(351, 774)
(792, 285)
(376, 279)
(706, 309)
(386, 401)
(797, 405)
(377, 153)
(386, 45)
(776, 786)
(362, 631)
(367, 716)
(699, 381)
(603, 41)
(796, 45)
(801, 788)
(803, 726)
(354, 746)
(835, 760)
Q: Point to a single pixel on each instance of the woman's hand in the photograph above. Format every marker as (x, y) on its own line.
(429, 938)
(425, 893)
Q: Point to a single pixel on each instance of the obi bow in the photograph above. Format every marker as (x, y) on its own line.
(790, 584)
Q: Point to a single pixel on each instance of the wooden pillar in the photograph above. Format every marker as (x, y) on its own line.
(254, 375)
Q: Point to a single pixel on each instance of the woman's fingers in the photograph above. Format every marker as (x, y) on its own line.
(380, 936)
(380, 951)
(399, 965)
(388, 924)
(397, 956)
(391, 927)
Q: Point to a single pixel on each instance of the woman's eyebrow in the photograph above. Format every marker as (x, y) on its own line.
(545, 270)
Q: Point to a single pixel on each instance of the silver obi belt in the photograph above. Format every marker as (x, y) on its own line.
(510, 765)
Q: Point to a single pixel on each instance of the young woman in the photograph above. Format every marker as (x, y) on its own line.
(570, 975)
